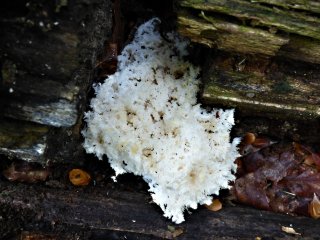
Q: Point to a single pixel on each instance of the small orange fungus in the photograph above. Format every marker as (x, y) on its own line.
(215, 206)
(79, 177)
(314, 207)
(249, 138)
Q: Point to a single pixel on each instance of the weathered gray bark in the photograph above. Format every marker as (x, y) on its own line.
(48, 53)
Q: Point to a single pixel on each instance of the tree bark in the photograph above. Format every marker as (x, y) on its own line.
(48, 53)
(118, 214)
(265, 57)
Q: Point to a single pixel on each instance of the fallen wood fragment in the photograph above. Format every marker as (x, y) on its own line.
(310, 5)
(48, 54)
(229, 36)
(264, 27)
(289, 21)
(121, 213)
(275, 94)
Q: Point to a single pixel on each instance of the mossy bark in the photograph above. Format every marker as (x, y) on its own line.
(260, 15)
(250, 27)
(307, 5)
(261, 96)
(229, 36)
(264, 33)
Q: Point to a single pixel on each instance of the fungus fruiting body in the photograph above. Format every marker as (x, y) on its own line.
(146, 120)
(79, 177)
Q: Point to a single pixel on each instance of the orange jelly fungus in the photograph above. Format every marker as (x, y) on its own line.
(216, 205)
(79, 177)
(314, 207)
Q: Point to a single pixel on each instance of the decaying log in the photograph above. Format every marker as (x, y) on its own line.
(229, 36)
(23, 140)
(132, 215)
(60, 113)
(297, 131)
(47, 56)
(258, 38)
(47, 65)
(250, 27)
(263, 95)
(288, 21)
(302, 49)
(310, 5)
(48, 53)
(40, 63)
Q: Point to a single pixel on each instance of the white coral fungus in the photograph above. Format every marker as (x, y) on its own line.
(146, 120)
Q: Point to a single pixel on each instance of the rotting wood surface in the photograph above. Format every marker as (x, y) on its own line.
(263, 90)
(130, 214)
(259, 37)
(48, 53)
(285, 20)
(101, 213)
